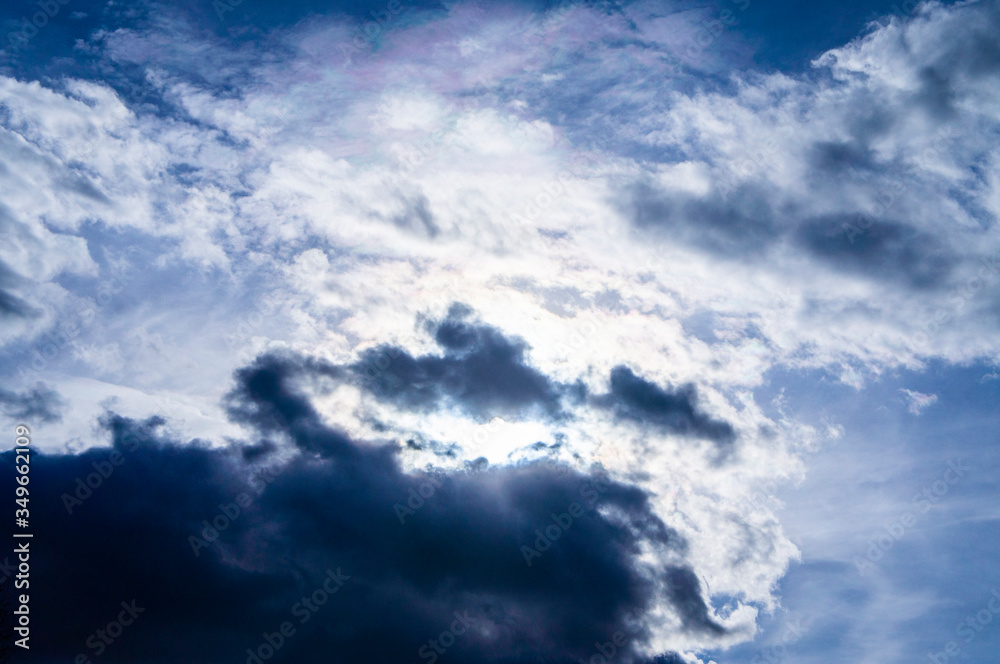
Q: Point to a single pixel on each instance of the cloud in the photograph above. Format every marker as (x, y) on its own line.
(482, 371)
(741, 225)
(268, 201)
(674, 410)
(835, 187)
(330, 503)
(41, 403)
(889, 250)
(13, 306)
(917, 401)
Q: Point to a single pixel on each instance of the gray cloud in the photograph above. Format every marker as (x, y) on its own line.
(481, 371)
(670, 409)
(40, 403)
(887, 250)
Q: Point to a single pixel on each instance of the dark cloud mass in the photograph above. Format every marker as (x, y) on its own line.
(669, 409)
(481, 371)
(885, 250)
(41, 403)
(326, 502)
(743, 225)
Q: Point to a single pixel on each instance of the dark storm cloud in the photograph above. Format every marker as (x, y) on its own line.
(262, 400)
(41, 403)
(886, 250)
(670, 409)
(330, 503)
(480, 370)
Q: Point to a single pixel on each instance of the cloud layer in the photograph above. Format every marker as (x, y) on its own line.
(220, 543)
(639, 229)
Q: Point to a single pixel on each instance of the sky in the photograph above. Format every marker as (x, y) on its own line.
(615, 332)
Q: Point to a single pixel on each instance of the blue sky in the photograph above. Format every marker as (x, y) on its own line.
(860, 488)
(734, 263)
